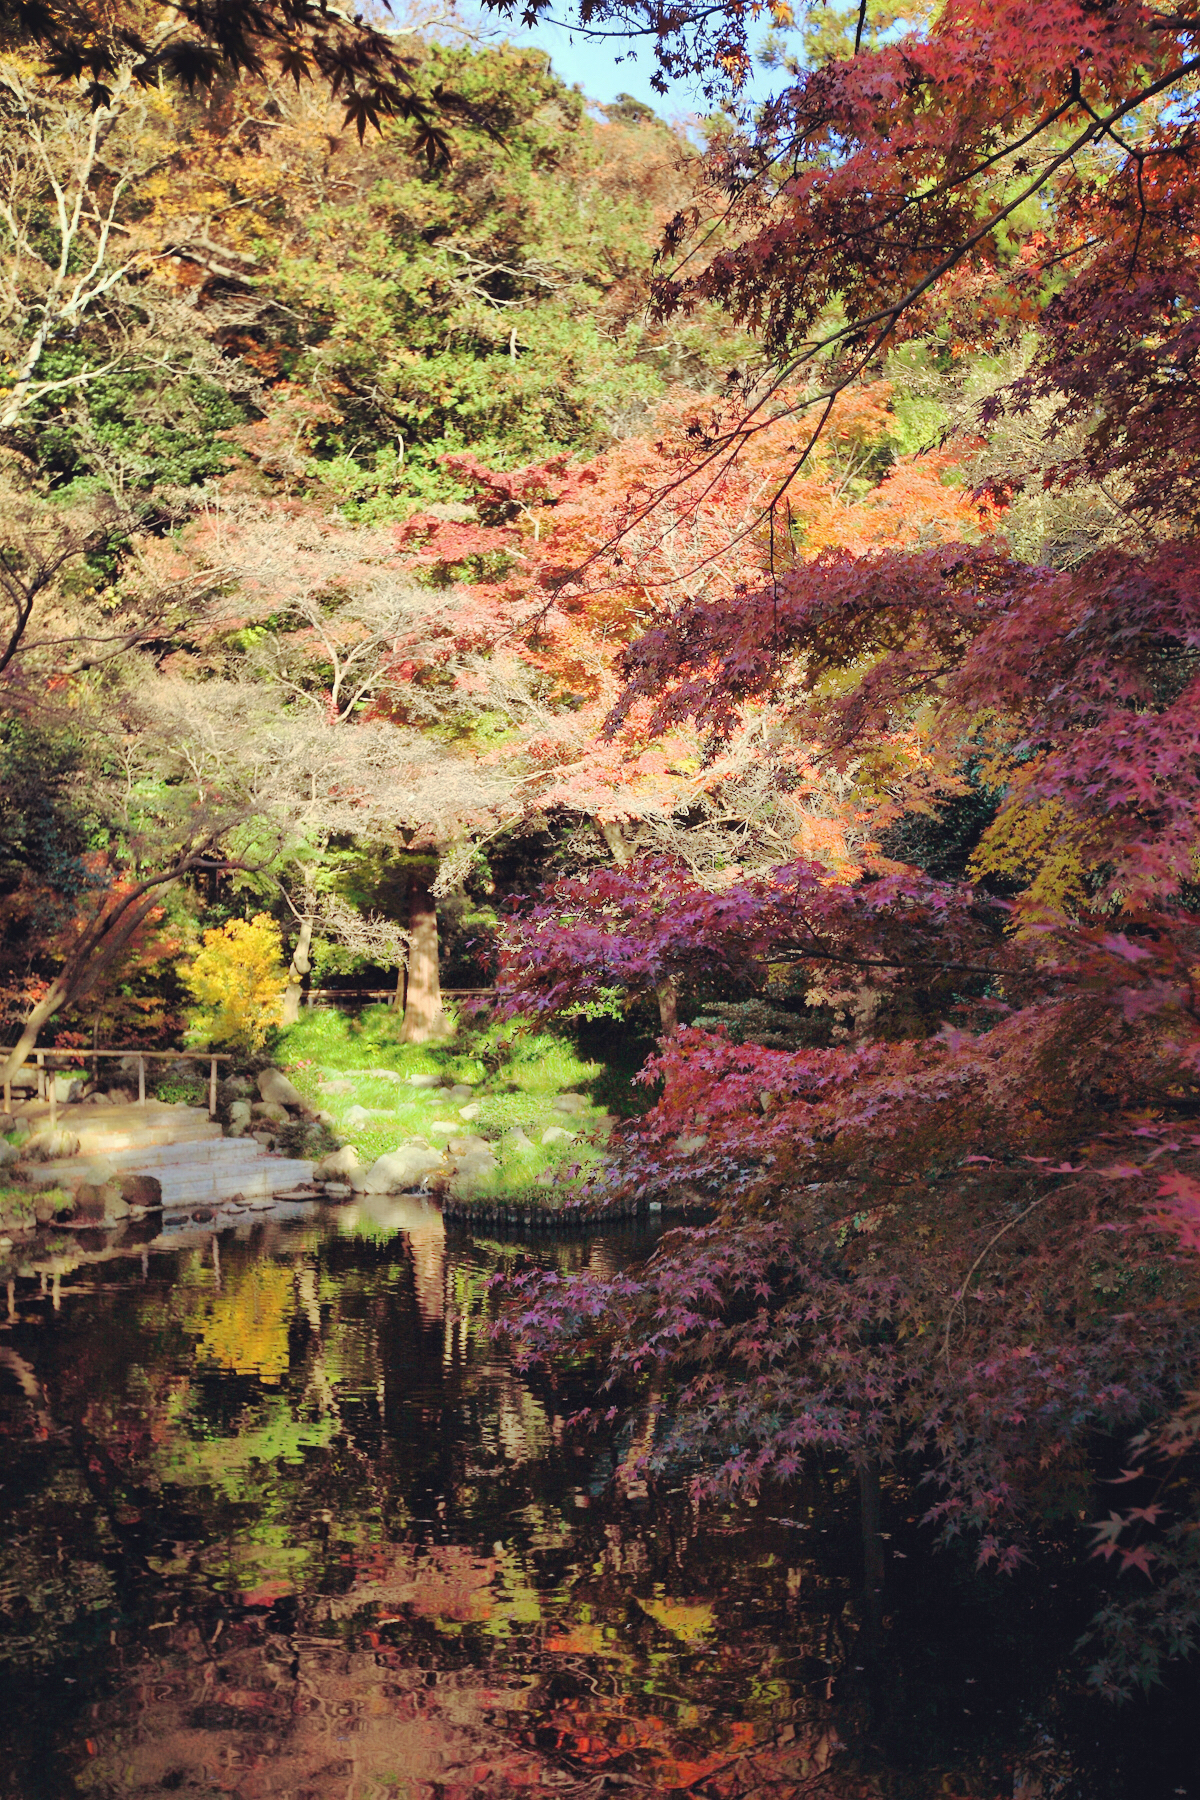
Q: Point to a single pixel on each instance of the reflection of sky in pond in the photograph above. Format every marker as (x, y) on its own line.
(283, 1520)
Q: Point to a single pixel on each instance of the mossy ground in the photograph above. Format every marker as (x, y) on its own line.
(515, 1073)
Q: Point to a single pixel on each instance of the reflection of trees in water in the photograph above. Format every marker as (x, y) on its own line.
(293, 1524)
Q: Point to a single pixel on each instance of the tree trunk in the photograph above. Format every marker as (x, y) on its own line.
(614, 839)
(423, 1015)
(300, 966)
(668, 1006)
(870, 1496)
(50, 1002)
(96, 950)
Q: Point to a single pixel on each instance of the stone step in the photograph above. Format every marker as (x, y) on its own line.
(164, 1156)
(114, 1143)
(274, 1175)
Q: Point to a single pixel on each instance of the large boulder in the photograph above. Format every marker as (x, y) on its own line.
(338, 1164)
(404, 1168)
(98, 1195)
(142, 1190)
(273, 1084)
(569, 1103)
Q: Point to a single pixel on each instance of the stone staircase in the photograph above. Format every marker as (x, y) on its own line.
(179, 1145)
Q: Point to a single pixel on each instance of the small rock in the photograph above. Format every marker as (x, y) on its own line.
(270, 1109)
(9, 1153)
(697, 1141)
(519, 1141)
(265, 1138)
(323, 1118)
(239, 1086)
(337, 1087)
(242, 1109)
(425, 1081)
(68, 1088)
(47, 1207)
(120, 1096)
(570, 1103)
(460, 1091)
(337, 1190)
(99, 1099)
(464, 1146)
(477, 1163)
(203, 1215)
(274, 1085)
(470, 1112)
(555, 1134)
(262, 1203)
(357, 1117)
(441, 1125)
(237, 1128)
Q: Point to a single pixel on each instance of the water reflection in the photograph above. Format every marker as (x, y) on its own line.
(282, 1520)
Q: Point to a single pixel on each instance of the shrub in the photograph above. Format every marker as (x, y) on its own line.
(238, 979)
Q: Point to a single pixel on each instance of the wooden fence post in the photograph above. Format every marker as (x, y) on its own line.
(141, 1081)
(212, 1090)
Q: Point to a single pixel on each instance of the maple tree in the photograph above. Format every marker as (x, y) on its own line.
(104, 46)
(951, 1246)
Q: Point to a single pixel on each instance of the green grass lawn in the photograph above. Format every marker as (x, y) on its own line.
(515, 1075)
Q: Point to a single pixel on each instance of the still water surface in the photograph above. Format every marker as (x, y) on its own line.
(281, 1519)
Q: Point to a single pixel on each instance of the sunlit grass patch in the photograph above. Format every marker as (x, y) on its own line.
(515, 1075)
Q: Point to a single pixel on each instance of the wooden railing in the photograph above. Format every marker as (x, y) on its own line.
(315, 994)
(48, 1090)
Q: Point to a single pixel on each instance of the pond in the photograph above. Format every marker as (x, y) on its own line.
(282, 1519)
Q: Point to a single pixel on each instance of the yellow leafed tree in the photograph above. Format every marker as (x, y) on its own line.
(238, 979)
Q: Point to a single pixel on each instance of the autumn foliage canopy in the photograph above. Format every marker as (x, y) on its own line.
(953, 1237)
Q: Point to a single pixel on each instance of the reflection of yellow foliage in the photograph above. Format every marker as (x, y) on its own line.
(238, 979)
(689, 1620)
(247, 1329)
(1042, 847)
